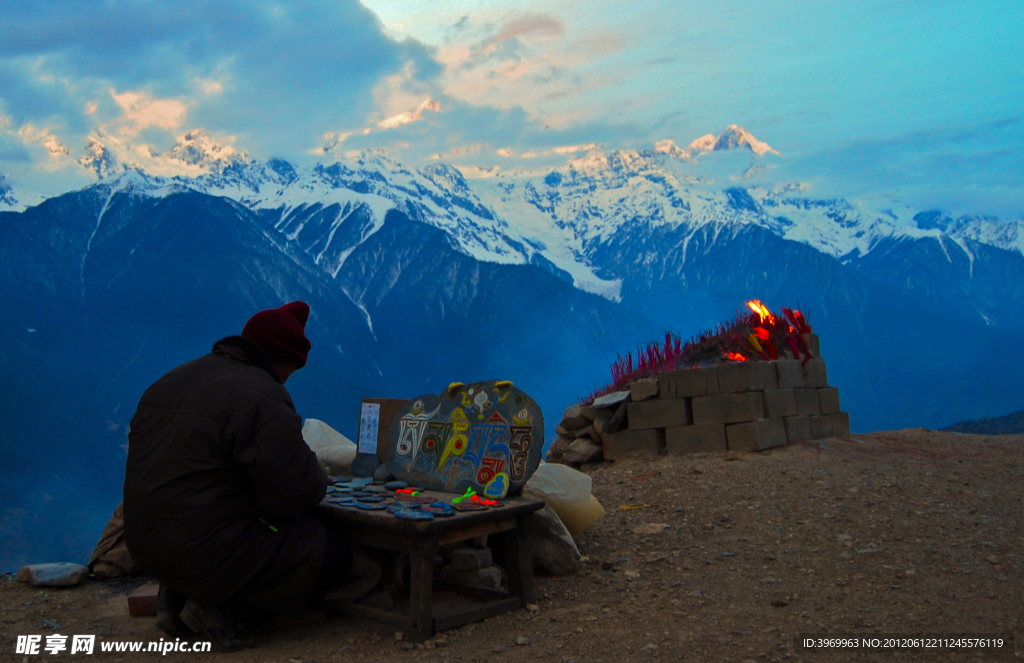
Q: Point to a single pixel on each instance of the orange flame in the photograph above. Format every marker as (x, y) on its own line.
(762, 311)
(735, 356)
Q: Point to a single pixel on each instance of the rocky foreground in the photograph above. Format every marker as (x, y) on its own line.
(708, 558)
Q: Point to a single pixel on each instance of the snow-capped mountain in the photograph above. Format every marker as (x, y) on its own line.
(555, 217)
(99, 159)
(7, 198)
(558, 217)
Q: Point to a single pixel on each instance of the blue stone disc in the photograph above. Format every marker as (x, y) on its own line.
(370, 499)
(368, 507)
(407, 514)
(341, 479)
(395, 485)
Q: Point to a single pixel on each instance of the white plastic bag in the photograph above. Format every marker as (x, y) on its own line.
(334, 451)
(567, 492)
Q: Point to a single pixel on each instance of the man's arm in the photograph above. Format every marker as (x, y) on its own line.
(283, 470)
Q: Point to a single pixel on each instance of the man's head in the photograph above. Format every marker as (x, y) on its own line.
(282, 333)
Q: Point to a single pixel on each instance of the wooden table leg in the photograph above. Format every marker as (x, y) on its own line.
(519, 563)
(421, 589)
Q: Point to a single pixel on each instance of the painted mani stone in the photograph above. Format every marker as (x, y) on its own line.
(486, 436)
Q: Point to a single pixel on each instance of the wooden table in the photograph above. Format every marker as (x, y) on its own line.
(421, 539)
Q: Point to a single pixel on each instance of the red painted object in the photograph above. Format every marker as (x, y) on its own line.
(142, 602)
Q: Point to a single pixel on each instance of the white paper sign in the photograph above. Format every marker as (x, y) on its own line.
(369, 421)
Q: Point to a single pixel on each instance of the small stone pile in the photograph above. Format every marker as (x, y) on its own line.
(738, 406)
(471, 566)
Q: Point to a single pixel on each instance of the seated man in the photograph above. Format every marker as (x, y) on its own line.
(217, 479)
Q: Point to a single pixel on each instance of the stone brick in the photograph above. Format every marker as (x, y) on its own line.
(470, 559)
(487, 577)
(695, 439)
(807, 404)
(589, 433)
(790, 373)
(815, 375)
(821, 427)
(559, 446)
(756, 435)
(574, 418)
(798, 429)
(812, 342)
(659, 414)
(689, 382)
(779, 403)
(747, 376)
(829, 400)
(840, 424)
(626, 441)
(612, 399)
(582, 450)
(728, 408)
(564, 432)
(641, 390)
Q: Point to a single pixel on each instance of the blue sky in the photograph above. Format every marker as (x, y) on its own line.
(922, 100)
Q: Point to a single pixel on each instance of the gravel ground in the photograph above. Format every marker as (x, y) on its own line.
(708, 558)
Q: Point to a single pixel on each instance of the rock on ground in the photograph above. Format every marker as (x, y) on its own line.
(550, 543)
(582, 450)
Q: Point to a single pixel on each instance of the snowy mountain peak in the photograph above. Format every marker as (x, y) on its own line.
(198, 148)
(669, 148)
(732, 138)
(99, 159)
(736, 136)
(704, 143)
(7, 198)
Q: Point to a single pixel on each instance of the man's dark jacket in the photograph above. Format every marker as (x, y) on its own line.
(216, 463)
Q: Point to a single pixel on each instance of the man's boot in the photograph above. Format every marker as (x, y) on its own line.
(169, 604)
(225, 632)
(362, 577)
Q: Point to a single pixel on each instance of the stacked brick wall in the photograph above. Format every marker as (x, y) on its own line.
(742, 406)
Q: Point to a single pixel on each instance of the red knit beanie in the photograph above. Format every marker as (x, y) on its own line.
(281, 332)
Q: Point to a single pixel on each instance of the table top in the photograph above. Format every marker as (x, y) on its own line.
(385, 520)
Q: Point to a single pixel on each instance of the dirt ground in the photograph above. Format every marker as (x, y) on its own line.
(707, 558)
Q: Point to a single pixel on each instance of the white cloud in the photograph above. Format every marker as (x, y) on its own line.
(560, 150)
(408, 117)
(209, 86)
(32, 134)
(142, 111)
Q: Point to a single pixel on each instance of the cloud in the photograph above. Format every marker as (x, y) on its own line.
(32, 134)
(278, 75)
(409, 117)
(528, 25)
(560, 150)
(532, 61)
(142, 111)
